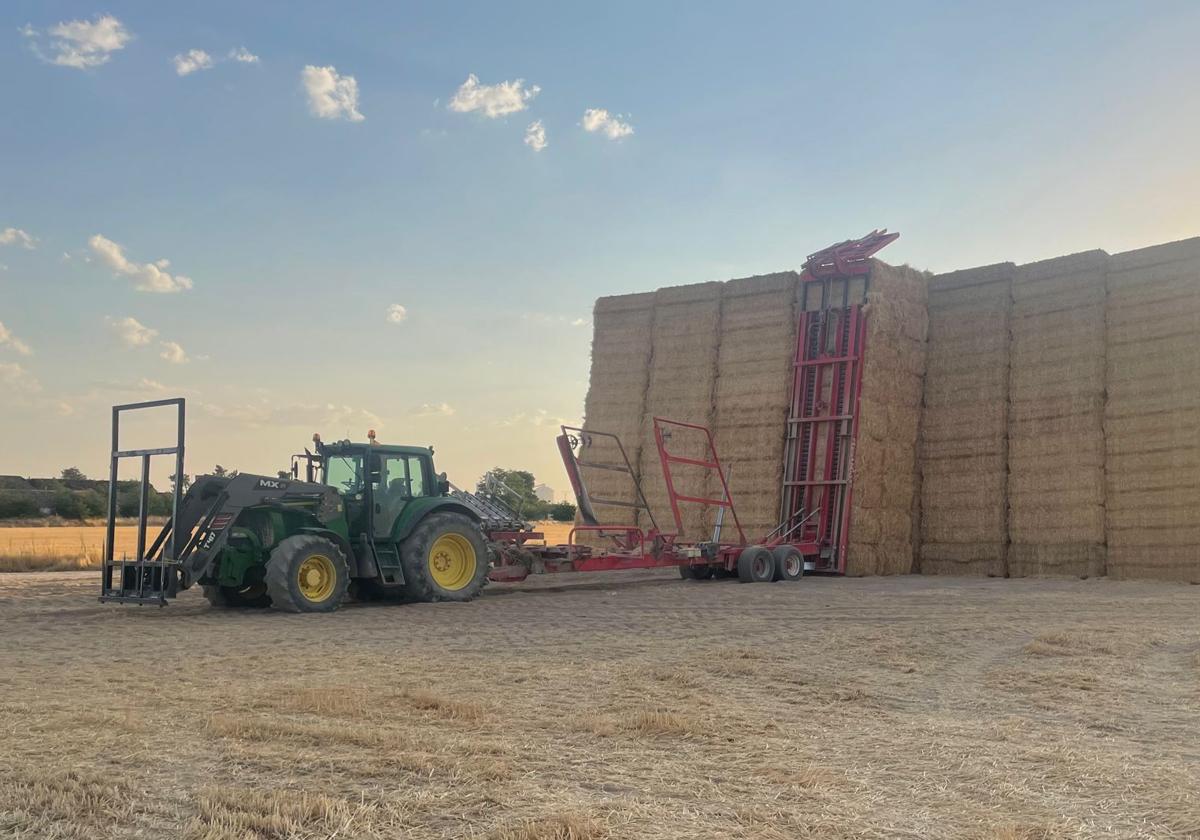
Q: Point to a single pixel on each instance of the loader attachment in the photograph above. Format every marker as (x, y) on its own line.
(200, 522)
(150, 577)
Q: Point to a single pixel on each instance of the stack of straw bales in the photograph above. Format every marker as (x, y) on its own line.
(682, 386)
(753, 388)
(1152, 417)
(616, 399)
(882, 533)
(1056, 418)
(964, 427)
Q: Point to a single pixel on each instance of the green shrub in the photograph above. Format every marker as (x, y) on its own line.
(562, 512)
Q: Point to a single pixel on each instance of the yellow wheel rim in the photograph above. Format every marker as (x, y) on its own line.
(452, 561)
(316, 577)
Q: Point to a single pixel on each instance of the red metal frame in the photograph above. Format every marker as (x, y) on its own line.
(711, 462)
(822, 435)
(851, 258)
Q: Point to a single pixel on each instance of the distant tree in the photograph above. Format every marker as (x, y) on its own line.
(562, 512)
(68, 505)
(94, 503)
(187, 482)
(18, 505)
(73, 474)
(221, 472)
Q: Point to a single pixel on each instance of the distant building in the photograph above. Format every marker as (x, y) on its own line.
(544, 492)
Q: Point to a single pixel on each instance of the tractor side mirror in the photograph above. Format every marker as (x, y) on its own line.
(443, 485)
(375, 472)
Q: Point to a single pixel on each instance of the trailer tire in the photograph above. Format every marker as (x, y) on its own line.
(230, 597)
(703, 572)
(789, 562)
(756, 564)
(445, 558)
(307, 573)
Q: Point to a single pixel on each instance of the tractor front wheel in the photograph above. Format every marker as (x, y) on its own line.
(445, 559)
(306, 573)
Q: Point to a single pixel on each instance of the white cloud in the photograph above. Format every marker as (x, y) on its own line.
(145, 384)
(132, 332)
(493, 100)
(331, 96)
(64, 408)
(191, 61)
(81, 43)
(7, 339)
(243, 55)
(581, 322)
(612, 126)
(173, 353)
(396, 313)
(535, 136)
(328, 418)
(434, 410)
(149, 277)
(16, 236)
(13, 376)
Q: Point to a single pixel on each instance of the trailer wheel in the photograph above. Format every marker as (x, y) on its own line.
(445, 559)
(231, 597)
(306, 573)
(756, 565)
(789, 562)
(696, 572)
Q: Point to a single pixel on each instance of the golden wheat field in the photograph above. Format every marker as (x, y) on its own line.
(59, 548)
(598, 707)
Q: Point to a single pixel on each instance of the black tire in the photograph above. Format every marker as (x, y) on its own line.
(325, 579)
(231, 597)
(695, 572)
(756, 565)
(436, 558)
(789, 562)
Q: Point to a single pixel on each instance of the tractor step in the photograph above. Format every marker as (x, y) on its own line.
(387, 560)
(139, 582)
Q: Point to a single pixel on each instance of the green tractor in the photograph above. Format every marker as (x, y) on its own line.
(368, 519)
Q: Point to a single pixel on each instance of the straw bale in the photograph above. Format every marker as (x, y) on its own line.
(1152, 415)
(977, 524)
(1082, 560)
(963, 558)
(1181, 563)
(1127, 263)
(998, 274)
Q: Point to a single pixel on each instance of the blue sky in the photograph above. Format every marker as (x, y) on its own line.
(760, 132)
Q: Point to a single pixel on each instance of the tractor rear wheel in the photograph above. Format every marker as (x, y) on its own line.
(246, 597)
(789, 562)
(756, 564)
(445, 559)
(307, 573)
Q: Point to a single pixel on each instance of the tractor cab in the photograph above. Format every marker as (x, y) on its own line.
(378, 482)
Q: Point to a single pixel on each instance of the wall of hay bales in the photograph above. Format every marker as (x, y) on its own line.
(964, 427)
(883, 529)
(682, 386)
(753, 389)
(1056, 418)
(1056, 406)
(616, 398)
(1152, 415)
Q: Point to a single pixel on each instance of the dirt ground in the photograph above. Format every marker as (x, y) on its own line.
(589, 707)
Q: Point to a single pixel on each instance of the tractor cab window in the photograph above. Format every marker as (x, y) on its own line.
(345, 474)
(395, 480)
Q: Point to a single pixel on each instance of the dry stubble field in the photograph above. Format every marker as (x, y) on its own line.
(609, 707)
